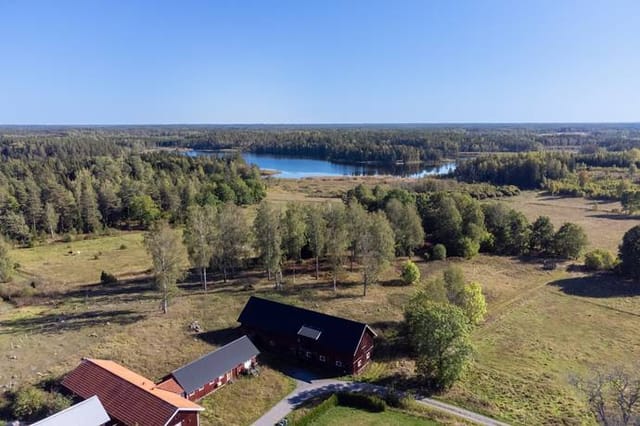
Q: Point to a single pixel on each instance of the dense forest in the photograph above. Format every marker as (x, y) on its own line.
(79, 185)
(341, 143)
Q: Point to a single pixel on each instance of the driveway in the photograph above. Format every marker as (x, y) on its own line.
(307, 387)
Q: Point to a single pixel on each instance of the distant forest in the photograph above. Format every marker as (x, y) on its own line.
(381, 144)
(59, 180)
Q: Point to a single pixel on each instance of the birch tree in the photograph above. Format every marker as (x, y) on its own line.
(168, 255)
(199, 237)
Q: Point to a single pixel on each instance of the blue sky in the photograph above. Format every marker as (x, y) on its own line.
(134, 62)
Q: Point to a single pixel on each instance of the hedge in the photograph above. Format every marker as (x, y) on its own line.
(318, 410)
(371, 403)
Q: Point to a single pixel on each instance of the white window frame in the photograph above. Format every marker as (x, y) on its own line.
(322, 358)
(338, 363)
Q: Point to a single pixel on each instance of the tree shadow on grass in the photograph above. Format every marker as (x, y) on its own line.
(53, 323)
(391, 343)
(122, 291)
(220, 337)
(598, 286)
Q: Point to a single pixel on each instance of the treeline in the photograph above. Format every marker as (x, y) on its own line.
(463, 226)
(533, 170)
(381, 144)
(68, 187)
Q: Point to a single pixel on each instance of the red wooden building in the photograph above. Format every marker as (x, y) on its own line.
(333, 343)
(213, 370)
(129, 398)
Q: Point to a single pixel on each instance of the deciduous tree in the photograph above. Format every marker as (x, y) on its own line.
(438, 334)
(268, 239)
(316, 230)
(294, 229)
(376, 248)
(199, 237)
(167, 252)
(337, 238)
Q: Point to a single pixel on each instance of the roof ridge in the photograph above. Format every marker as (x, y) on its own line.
(147, 390)
(310, 310)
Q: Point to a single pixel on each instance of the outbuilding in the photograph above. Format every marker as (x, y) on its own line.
(337, 344)
(129, 398)
(213, 370)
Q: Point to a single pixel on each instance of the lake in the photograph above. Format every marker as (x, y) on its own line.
(297, 168)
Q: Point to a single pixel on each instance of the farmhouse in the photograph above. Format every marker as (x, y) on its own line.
(333, 343)
(129, 398)
(213, 370)
(89, 412)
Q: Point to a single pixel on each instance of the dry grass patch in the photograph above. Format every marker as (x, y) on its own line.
(601, 220)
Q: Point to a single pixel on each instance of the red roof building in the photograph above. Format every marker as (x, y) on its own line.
(129, 398)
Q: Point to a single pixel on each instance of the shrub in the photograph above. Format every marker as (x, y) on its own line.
(439, 252)
(29, 403)
(410, 273)
(599, 260)
(123, 246)
(371, 403)
(107, 278)
(396, 399)
(317, 411)
(67, 238)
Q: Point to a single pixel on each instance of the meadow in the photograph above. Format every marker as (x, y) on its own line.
(542, 326)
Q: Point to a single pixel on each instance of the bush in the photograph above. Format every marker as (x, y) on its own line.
(396, 399)
(317, 411)
(123, 247)
(439, 252)
(599, 260)
(371, 403)
(30, 403)
(107, 278)
(67, 238)
(410, 273)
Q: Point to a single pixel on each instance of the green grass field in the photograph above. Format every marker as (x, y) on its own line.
(338, 416)
(542, 326)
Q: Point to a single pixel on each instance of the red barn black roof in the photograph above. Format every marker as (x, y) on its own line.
(338, 334)
(214, 364)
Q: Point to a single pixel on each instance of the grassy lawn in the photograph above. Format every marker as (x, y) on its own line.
(264, 391)
(338, 416)
(541, 326)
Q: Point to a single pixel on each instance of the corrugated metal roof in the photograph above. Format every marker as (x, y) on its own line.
(338, 334)
(89, 412)
(127, 396)
(214, 364)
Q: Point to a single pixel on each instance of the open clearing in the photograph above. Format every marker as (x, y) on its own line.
(602, 220)
(542, 325)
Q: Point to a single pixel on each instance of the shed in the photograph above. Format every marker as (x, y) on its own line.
(213, 370)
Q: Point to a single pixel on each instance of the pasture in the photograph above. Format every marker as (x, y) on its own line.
(542, 326)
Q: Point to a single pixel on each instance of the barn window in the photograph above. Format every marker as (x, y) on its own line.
(368, 355)
(359, 363)
(308, 354)
(338, 363)
(322, 358)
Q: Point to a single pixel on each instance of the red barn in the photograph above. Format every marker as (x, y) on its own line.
(327, 341)
(213, 370)
(129, 398)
